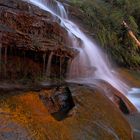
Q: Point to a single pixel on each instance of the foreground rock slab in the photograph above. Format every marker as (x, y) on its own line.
(93, 117)
(29, 34)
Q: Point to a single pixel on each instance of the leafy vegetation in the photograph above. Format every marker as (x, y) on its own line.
(104, 18)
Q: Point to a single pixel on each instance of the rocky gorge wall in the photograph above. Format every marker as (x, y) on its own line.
(29, 37)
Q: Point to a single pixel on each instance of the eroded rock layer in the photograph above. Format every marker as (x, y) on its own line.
(29, 35)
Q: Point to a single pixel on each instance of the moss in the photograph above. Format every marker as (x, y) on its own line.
(104, 19)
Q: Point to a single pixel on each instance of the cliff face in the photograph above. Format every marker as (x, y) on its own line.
(28, 36)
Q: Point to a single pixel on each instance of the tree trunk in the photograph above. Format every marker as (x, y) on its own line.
(131, 34)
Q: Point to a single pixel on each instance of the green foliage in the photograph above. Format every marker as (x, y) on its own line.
(104, 18)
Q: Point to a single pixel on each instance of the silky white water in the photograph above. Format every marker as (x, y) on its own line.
(134, 96)
(90, 63)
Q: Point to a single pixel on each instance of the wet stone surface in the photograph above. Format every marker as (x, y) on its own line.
(24, 116)
(10, 130)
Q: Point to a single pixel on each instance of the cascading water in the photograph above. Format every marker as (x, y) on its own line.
(44, 63)
(48, 71)
(90, 63)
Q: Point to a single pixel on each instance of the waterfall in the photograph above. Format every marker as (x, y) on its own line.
(44, 63)
(48, 71)
(90, 63)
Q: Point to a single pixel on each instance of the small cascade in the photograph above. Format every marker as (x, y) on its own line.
(44, 63)
(61, 10)
(52, 6)
(48, 70)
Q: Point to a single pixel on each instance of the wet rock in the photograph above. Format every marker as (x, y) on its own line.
(27, 27)
(118, 98)
(58, 102)
(121, 104)
(96, 117)
(27, 33)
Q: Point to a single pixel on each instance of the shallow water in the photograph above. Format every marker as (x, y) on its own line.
(134, 96)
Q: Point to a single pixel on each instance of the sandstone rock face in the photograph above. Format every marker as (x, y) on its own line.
(30, 33)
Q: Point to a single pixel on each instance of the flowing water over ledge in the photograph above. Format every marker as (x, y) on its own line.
(90, 63)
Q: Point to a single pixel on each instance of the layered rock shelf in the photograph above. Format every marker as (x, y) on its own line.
(28, 36)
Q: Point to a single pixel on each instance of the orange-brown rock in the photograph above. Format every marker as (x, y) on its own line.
(93, 117)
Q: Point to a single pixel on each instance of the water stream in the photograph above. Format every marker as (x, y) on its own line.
(134, 97)
(44, 63)
(90, 63)
(48, 71)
